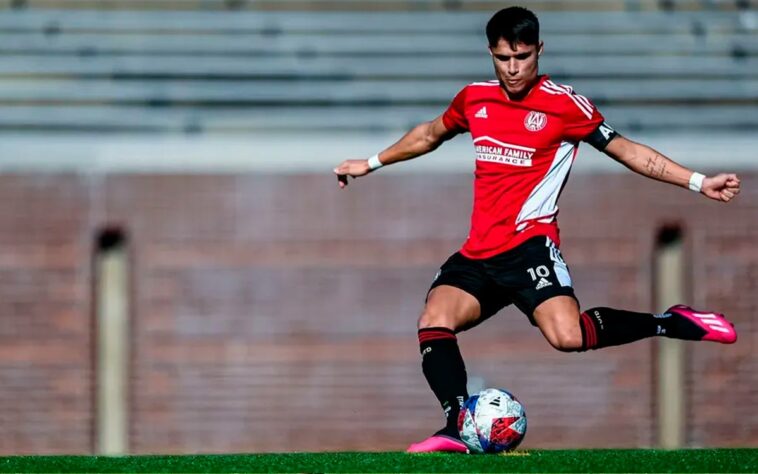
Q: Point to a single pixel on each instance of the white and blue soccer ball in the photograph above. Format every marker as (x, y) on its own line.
(492, 421)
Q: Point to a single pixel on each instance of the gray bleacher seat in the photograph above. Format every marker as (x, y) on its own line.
(253, 93)
(336, 118)
(379, 5)
(473, 67)
(218, 71)
(33, 43)
(281, 23)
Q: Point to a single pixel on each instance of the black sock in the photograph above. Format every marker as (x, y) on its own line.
(603, 327)
(444, 371)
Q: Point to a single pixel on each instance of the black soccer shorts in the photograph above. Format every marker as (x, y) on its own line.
(526, 276)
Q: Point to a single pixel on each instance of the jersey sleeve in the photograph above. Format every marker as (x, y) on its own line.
(454, 117)
(581, 118)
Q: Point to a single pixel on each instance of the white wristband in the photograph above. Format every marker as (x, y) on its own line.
(374, 162)
(696, 182)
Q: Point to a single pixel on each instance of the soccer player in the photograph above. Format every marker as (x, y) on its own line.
(526, 130)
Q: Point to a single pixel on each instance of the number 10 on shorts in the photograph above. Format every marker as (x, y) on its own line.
(542, 271)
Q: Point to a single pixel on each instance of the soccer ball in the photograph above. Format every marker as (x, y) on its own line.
(492, 421)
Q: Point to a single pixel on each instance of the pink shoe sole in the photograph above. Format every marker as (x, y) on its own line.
(717, 327)
(438, 444)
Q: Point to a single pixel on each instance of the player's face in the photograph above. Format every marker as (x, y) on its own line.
(517, 68)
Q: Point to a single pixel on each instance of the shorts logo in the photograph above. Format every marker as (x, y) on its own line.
(437, 275)
(535, 121)
(543, 283)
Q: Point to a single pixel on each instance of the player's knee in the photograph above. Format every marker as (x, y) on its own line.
(566, 338)
(433, 318)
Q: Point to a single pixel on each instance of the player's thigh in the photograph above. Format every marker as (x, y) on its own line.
(449, 307)
(558, 319)
(461, 295)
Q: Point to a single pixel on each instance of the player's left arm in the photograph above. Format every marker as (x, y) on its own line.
(648, 162)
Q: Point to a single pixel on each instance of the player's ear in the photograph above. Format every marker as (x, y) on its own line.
(489, 48)
(540, 48)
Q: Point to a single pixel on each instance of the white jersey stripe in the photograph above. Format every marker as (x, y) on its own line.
(553, 86)
(484, 84)
(586, 111)
(541, 219)
(550, 91)
(560, 87)
(564, 87)
(569, 91)
(542, 202)
(582, 99)
(559, 265)
(582, 102)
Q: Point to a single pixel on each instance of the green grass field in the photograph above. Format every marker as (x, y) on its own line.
(601, 460)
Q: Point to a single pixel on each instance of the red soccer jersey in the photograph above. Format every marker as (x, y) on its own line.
(524, 151)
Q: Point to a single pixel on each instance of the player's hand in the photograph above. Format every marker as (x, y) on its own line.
(353, 168)
(722, 187)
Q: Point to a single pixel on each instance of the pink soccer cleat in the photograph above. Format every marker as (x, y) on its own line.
(717, 328)
(438, 443)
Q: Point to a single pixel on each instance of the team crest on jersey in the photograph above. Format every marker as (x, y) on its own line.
(535, 121)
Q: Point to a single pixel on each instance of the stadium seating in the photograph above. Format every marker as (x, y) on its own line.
(194, 66)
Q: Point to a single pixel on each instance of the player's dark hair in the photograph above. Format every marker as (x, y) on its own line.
(514, 25)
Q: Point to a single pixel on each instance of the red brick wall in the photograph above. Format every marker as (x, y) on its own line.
(277, 313)
(45, 320)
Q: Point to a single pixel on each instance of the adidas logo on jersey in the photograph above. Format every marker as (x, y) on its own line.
(482, 113)
(543, 283)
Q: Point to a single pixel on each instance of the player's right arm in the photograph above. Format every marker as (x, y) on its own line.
(420, 140)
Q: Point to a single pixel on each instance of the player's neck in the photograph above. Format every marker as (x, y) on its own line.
(524, 93)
